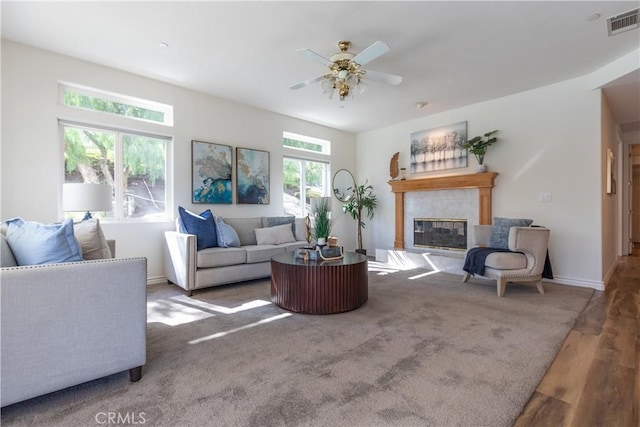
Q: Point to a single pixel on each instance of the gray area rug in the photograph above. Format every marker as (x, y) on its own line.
(424, 350)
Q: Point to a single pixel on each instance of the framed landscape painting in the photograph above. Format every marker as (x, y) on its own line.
(211, 173)
(439, 148)
(252, 176)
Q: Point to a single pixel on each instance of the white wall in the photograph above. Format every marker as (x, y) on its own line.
(31, 154)
(549, 142)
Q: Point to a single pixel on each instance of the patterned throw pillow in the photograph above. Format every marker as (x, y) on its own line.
(500, 230)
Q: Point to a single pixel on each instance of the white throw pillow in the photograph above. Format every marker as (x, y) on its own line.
(91, 238)
(275, 235)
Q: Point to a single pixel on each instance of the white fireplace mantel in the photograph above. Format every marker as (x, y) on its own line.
(484, 182)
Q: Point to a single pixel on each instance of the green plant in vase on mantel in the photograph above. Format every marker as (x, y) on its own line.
(478, 147)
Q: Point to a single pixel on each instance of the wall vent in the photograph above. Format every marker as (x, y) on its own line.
(623, 22)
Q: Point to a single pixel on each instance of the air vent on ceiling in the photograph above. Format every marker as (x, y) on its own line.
(623, 22)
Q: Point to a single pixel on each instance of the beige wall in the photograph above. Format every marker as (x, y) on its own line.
(610, 226)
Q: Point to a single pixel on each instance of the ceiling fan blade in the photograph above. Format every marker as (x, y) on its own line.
(307, 82)
(314, 56)
(377, 76)
(372, 52)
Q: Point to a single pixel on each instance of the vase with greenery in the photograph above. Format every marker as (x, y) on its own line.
(478, 147)
(363, 200)
(322, 222)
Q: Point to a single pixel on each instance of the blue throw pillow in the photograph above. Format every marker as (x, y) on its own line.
(500, 230)
(33, 243)
(201, 225)
(227, 235)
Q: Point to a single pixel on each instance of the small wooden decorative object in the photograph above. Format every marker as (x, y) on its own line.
(394, 171)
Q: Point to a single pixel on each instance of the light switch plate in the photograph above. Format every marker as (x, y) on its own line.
(545, 197)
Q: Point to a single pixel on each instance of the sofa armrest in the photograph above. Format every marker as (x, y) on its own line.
(180, 259)
(112, 247)
(64, 324)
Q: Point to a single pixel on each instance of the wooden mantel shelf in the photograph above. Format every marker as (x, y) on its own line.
(475, 180)
(484, 182)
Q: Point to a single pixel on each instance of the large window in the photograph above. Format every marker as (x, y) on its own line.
(304, 175)
(134, 164)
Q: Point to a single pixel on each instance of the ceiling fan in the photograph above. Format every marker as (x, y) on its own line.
(345, 72)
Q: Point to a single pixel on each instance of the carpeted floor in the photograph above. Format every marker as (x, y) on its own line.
(424, 350)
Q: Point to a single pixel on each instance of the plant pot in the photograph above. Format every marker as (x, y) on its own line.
(322, 241)
(361, 251)
(482, 168)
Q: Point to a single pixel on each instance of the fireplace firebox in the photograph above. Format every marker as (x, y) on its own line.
(440, 233)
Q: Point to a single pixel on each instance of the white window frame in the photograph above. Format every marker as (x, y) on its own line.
(167, 110)
(326, 145)
(118, 163)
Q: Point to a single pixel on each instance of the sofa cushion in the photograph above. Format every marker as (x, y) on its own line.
(201, 225)
(272, 221)
(91, 238)
(34, 243)
(227, 235)
(506, 260)
(262, 253)
(275, 235)
(220, 257)
(6, 256)
(300, 229)
(245, 228)
(500, 230)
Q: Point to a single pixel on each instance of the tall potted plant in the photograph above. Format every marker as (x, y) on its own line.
(478, 147)
(321, 214)
(363, 199)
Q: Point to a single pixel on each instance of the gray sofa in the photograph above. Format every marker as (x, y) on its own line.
(192, 269)
(65, 324)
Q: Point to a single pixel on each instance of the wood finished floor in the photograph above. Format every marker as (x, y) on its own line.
(595, 378)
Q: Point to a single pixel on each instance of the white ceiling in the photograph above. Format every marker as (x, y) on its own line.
(450, 53)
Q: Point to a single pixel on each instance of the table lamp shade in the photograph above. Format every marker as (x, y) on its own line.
(86, 197)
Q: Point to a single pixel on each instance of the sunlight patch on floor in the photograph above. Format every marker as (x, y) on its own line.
(181, 309)
(241, 328)
(173, 314)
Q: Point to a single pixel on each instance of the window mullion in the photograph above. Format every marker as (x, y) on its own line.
(119, 178)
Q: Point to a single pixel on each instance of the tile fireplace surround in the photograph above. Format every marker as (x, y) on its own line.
(484, 182)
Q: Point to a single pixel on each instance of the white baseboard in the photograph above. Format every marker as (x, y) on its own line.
(597, 285)
(452, 262)
(156, 280)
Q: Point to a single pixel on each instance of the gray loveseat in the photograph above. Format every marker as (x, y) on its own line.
(69, 323)
(192, 269)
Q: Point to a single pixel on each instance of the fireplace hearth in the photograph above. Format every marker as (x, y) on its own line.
(440, 233)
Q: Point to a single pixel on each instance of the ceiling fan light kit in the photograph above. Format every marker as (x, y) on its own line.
(345, 72)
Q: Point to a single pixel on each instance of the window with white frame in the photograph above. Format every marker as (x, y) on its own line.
(304, 176)
(135, 165)
(113, 103)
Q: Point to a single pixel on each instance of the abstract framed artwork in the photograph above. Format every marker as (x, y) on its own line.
(211, 173)
(439, 148)
(252, 176)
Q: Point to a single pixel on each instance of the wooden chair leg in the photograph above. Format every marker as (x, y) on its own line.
(502, 285)
(135, 374)
(539, 286)
(466, 277)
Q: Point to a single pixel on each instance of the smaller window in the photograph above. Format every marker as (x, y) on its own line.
(113, 103)
(306, 143)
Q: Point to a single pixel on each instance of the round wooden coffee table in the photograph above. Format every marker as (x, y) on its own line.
(319, 287)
